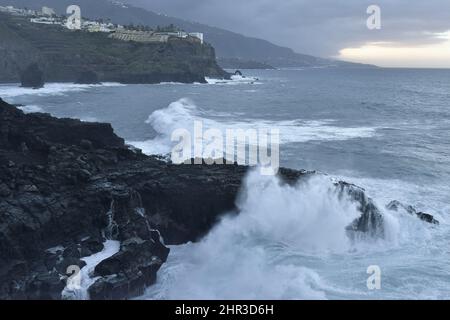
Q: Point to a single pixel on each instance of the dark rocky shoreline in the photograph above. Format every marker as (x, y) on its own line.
(67, 186)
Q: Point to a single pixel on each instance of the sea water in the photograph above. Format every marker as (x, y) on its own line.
(386, 130)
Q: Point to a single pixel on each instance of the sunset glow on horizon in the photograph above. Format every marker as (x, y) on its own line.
(394, 55)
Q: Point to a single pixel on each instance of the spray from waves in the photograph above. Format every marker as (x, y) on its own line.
(290, 242)
(183, 113)
(259, 253)
(235, 80)
(50, 89)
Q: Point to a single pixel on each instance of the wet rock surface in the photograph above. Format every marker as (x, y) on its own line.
(61, 55)
(371, 221)
(397, 205)
(68, 186)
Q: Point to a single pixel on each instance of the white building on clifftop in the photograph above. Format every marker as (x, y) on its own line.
(197, 35)
(18, 12)
(46, 11)
(46, 20)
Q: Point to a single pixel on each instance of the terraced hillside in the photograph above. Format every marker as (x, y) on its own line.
(64, 54)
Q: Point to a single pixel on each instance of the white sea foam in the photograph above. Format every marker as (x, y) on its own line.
(182, 114)
(31, 109)
(255, 255)
(50, 89)
(80, 291)
(172, 83)
(289, 242)
(235, 80)
(89, 119)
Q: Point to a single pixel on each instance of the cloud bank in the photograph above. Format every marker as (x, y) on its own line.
(318, 27)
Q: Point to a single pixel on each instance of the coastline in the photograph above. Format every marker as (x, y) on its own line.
(73, 185)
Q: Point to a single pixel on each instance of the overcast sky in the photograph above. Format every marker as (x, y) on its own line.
(413, 32)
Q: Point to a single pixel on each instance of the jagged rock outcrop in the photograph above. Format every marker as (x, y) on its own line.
(396, 205)
(66, 186)
(62, 181)
(371, 221)
(62, 54)
(32, 77)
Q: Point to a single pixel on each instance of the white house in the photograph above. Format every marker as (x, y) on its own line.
(12, 10)
(46, 11)
(197, 35)
(183, 35)
(94, 26)
(45, 20)
(18, 12)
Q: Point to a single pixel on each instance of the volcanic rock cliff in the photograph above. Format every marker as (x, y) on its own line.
(67, 186)
(65, 56)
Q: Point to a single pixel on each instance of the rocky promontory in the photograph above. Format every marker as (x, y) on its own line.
(67, 187)
(91, 57)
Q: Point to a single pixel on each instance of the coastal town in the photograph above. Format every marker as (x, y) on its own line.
(48, 16)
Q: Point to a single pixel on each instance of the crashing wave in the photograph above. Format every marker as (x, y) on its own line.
(183, 113)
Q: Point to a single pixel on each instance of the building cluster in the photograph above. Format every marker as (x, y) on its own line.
(44, 16)
(95, 26)
(45, 12)
(154, 36)
(48, 16)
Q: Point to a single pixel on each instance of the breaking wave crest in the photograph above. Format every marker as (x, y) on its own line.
(181, 114)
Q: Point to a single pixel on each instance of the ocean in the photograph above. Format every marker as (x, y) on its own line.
(385, 130)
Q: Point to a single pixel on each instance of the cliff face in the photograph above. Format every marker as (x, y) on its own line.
(66, 187)
(65, 55)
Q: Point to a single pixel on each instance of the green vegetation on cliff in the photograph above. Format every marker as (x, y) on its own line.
(65, 54)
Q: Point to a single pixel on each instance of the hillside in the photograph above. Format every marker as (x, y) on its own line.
(64, 54)
(235, 63)
(227, 44)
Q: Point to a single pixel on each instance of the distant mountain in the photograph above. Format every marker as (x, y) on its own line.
(235, 63)
(228, 45)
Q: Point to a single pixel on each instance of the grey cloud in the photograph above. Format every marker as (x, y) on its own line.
(319, 27)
